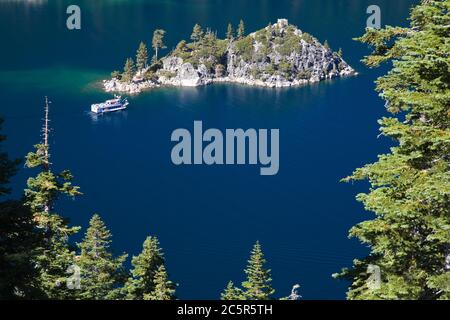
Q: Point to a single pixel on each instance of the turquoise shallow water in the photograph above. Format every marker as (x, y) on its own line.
(207, 218)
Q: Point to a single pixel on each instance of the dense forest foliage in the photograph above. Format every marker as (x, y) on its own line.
(409, 236)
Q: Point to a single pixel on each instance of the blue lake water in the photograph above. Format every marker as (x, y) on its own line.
(207, 218)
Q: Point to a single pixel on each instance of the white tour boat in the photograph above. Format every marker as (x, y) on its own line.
(115, 104)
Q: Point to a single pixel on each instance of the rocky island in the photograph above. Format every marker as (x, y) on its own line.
(279, 55)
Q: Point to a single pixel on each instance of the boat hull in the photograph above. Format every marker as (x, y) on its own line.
(103, 110)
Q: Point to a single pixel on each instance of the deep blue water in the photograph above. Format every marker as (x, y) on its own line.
(207, 218)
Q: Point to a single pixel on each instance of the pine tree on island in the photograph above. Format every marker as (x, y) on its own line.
(241, 29)
(230, 32)
(141, 57)
(129, 70)
(158, 41)
(197, 33)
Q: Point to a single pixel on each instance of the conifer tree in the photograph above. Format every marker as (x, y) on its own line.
(257, 286)
(141, 56)
(230, 32)
(116, 74)
(164, 289)
(102, 275)
(197, 33)
(232, 293)
(241, 29)
(55, 255)
(8, 167)
(145, 266)
(19, 242)
(158, 41)
(18, 239)
(409, 236)
(181, 46)
(128, 70)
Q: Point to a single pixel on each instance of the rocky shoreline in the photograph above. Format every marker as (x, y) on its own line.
(277, 56)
